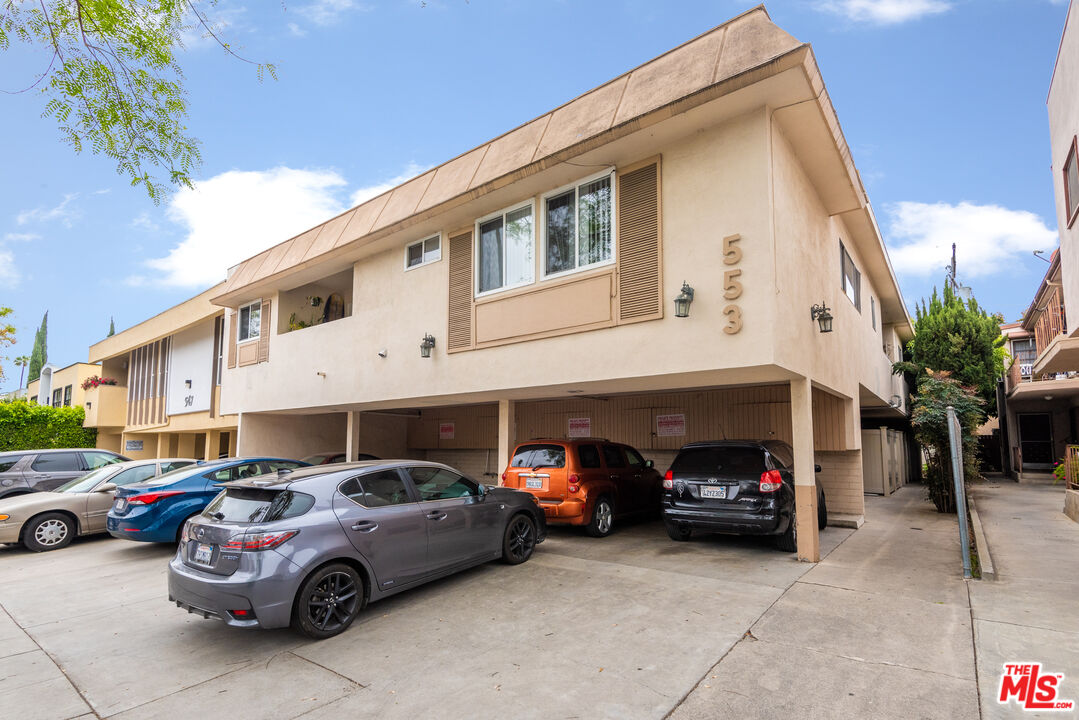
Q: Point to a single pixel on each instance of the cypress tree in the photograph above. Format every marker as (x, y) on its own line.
(112, 328)
(40, 354)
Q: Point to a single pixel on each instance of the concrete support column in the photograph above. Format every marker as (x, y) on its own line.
(507, 433)
(187, 445)
(805, 477)
(213, 441)
(162, 445)
(352, 436)
(233, 440)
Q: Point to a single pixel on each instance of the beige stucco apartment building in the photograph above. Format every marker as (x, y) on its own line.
(1058, 342)
(61, 387)
(167, 400)
(540, 272)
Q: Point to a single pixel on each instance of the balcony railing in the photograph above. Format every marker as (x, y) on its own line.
(1071, 467)
(1051, 322)
(106, 406)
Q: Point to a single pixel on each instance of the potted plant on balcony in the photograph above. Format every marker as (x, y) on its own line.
(94, 381)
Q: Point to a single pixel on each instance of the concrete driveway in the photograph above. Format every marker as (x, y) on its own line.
(623, 627)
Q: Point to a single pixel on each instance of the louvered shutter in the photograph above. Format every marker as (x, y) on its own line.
(232, 339)
(460, 300)
(639, 252)
(264, 332)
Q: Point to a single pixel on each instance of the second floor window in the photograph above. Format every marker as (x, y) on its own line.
(57, 398)
(67, 396)
(1071, 184)
(852, 279)
(504, 250)
(250, 321)
(578, 226)
(423, 252)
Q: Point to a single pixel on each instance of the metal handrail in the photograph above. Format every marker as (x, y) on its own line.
(1071, 467)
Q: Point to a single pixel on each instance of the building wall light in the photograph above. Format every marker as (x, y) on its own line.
(426, 345)
(683, 301)
(823, 316)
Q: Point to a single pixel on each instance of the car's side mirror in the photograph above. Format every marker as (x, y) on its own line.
(649, 464)
(107, 487)
(481, 492)
(816, 468)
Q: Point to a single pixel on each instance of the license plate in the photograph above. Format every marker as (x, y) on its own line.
(717, 493)
(204, 554)
(534, 483)
(120, 505)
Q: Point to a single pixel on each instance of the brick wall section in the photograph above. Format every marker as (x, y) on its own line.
(841, 477)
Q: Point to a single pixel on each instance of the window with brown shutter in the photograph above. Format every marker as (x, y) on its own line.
(639, 243)
(460, 300)
(264, 334)
(232, 339)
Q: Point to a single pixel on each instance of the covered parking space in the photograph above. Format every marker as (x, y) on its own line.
(477, 437)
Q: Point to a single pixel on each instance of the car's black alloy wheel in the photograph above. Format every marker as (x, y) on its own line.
(519, 540)
(328, 601)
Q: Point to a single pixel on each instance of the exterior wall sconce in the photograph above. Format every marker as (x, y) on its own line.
(426, 345)
(823, 316)
(187, 384)
(682, 302)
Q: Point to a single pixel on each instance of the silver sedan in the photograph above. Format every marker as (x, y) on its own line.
(311, 547)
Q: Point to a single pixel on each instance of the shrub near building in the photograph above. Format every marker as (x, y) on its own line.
(26, 426)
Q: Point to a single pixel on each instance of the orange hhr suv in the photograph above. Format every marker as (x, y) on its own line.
(585, 481)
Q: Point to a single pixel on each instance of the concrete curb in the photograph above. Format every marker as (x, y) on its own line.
(985, 561)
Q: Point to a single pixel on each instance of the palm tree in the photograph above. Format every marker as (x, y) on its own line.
(21, 362)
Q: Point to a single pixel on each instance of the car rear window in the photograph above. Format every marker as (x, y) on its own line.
(588, 455)
(253, 505)
(9, 462)
(533, 456)
(720, 461)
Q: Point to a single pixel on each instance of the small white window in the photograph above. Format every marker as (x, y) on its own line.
(250, 322)
(505, 247)
(852, 278)
(578, 224)
(423, 252)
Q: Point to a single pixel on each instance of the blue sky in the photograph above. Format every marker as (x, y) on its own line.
(941, 101)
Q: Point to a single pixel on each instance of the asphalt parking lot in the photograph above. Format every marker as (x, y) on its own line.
(623, 627)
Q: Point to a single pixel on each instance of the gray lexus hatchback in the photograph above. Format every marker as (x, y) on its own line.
(311, 547)
(26, 471)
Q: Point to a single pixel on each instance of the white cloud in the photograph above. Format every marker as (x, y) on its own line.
(235, 215)
(327, 12)
(145, 222)
(296, 30)
(366, 193)
(989, 238)
(21, 237)
(884, 12)
(9, 274)
(61, 212)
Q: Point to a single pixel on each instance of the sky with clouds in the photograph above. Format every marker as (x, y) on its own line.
(941, 101)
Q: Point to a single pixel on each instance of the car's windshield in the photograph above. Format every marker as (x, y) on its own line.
(86, 482)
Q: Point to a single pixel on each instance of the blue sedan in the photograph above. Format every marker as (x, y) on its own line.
(155, 510)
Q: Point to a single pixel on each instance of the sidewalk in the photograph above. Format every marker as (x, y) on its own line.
(1031, 613)
(881, 628)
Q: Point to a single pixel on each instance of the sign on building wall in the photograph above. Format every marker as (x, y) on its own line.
(671, 425)
(580, 427)
(133, 446)
(446, 431)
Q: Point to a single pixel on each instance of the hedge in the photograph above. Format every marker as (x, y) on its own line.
(26, 426)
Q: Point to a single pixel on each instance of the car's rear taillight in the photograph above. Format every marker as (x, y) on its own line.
(503, 479)
(151, 498)
(668, 480)
(258, 541)
(771, 481)
(574, 483)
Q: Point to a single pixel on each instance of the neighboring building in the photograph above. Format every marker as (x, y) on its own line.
(1060, 353)
(61, 387)
(1038, 413)
(167, 402)
(540, 273)
(14, 394)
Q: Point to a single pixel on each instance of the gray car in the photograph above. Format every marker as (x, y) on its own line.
(26, 471)
(311, 547)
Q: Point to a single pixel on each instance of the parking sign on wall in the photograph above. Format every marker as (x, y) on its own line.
(580, 427)
(446, 431)
(671, 425)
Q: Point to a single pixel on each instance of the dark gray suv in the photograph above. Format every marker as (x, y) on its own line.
(310, 547)
(26, 471)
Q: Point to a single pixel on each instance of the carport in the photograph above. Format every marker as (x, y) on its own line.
(478, 437)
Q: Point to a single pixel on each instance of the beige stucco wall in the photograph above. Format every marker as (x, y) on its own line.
(841, 478)
(1063, 109)
(73, 375)
(290, 436)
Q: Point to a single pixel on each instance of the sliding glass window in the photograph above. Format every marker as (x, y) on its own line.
(579, 226)
(505, 250)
